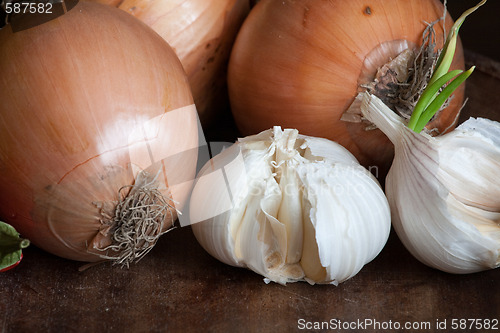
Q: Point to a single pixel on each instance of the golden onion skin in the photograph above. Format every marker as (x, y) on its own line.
(79, 94)
(296, 64)
(202, 34)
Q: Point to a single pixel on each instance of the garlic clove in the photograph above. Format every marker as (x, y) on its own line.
(470, 154)
(290, 214)
(344, 203)
(310, 260)
(302, 209)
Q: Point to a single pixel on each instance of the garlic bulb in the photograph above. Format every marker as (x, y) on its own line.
(291, 208)
(444, 192)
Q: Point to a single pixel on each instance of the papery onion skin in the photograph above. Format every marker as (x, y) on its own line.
(202, 34)
(296, 64)
(87, 100)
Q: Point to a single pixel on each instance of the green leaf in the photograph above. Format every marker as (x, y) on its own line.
(446, 57)
(430, 101)
(428, 96)
(11, 245)
(10, 259)
(440, 99)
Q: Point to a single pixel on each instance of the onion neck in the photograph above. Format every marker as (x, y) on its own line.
(383, 67)
(379, 56)
(397, 72)
(386, 72)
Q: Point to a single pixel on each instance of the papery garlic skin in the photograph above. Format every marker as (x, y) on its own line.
(444, 192)
(302, 208)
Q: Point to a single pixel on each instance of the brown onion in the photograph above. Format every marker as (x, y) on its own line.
(202, 34)
(300, 64)
(93, 102)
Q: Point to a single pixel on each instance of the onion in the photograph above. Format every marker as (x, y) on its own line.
(96, 109)
(300, 64)
(202, 34)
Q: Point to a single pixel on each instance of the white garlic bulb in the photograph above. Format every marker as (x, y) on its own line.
(291, 208)
(444, 192)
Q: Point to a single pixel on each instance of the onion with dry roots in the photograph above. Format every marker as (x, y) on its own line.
(300, 64)
(98, 134)
(202, 34)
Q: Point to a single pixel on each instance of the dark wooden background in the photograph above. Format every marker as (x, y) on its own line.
(179, 287)
(480, 32)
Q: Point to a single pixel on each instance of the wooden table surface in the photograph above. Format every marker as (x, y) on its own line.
(179, 287)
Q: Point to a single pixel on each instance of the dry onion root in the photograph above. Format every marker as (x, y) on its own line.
(98, 134)
(137, 222)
